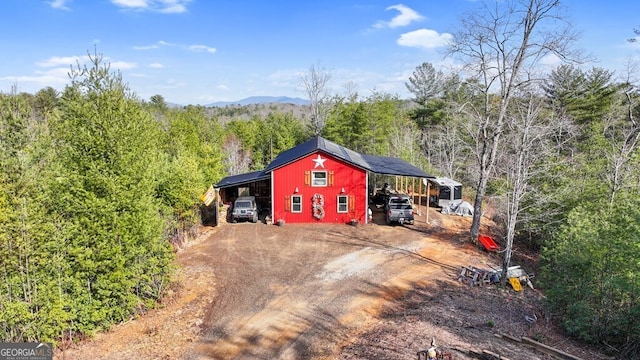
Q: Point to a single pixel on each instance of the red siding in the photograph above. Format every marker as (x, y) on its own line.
(343, 179)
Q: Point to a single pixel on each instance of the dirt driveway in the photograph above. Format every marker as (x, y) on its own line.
(256, 291)
(298, 291)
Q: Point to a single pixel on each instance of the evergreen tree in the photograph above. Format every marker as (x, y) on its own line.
(590, 276)
(111, 159)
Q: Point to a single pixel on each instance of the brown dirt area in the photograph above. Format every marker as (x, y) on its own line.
(256, 291)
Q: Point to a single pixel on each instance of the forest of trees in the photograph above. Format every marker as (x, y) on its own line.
(97, 186)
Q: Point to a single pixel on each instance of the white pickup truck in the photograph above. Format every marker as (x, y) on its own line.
(398, 208)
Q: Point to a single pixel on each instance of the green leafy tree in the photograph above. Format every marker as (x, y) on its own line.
(366, 125)
(583, 96)
(278, 132)
(264, 138)
(46, 101)
(31, 303)
(590, 276)
(247, 131)
(193, 144)
(433, 93)
(111, 160)
(158, 102)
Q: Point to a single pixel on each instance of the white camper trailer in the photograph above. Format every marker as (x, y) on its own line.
(444, 192)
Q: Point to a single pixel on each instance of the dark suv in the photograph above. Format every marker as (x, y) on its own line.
(245, 208)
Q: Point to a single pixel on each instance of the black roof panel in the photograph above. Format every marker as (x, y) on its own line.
(240, 179)
(393, 166)
(313, 145)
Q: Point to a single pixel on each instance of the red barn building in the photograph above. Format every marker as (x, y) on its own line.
(317, 181)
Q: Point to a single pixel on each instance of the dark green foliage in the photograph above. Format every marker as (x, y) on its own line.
(46, 101)
(192, 144)
(23, 231)
(81, 225)
(366, 125)
(111, 156)
(583, 96)
(158, 102)
(590, 274)
(434, 93)
(265, 138)
(433, 112)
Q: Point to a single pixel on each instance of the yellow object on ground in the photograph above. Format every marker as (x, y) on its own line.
(515, 283)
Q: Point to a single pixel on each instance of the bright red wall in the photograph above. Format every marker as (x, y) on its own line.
(286, 179)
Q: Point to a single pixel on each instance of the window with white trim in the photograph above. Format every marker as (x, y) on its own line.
(296, 203)
(318, 178)
(343, 203)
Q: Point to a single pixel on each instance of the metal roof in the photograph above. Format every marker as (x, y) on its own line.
(235, 180)
(378, 164)
(393, 166)
(313, 145)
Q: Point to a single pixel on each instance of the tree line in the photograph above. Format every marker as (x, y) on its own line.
(97, 185)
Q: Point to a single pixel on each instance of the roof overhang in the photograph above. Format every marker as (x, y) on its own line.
(385, 165)
(242, 179)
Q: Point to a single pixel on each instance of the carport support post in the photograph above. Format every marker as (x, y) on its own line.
(217, 206)
(428, 193)
(419, 196)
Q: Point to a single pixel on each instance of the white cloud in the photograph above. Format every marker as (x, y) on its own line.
(59, 60)
(57, 76)
(146, 47)
(285, 78)
(123, 65)
(424, 38)
(59, 4)
(174, 7)
(165, 43)
(153, 46)
(163, 6)
(550, 61)
(156, 66)
(200, 48)
(406, 17)
(161, 43)
(131, 3)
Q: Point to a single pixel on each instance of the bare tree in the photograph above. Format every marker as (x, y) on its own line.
(236, 160)
(446, 148)
(403, 142)
(315, 83)
(622, 131)
(501, 47)
(527, 147)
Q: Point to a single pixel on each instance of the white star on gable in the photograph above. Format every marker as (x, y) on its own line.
(319, 161)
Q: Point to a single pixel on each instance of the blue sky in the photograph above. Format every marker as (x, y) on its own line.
(203, 51)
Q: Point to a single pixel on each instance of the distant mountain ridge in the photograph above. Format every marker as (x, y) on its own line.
(261, 100)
